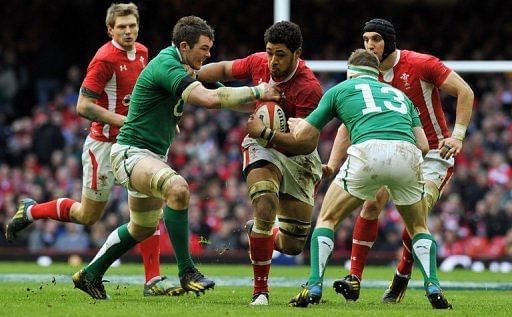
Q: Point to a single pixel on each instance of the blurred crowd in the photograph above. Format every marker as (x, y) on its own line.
(41, 136)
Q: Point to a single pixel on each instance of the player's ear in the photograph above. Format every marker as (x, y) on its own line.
(298, 52)
(184, 46)
(110, 31)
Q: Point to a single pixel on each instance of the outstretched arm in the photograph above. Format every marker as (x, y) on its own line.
(221, 71)
(233, 98)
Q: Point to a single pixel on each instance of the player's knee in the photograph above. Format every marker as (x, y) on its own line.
(178, 192)
(165, 181)
(264, 195)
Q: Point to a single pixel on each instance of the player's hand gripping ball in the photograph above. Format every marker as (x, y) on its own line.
(273, 117)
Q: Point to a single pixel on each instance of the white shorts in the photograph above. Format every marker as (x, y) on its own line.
(300, 173)
(376, 163)
(98, 178)
(124, 158)
(436, 169)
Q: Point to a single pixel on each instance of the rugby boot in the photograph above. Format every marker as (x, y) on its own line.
(396, 290)
(349, 287)
(19, 221)
(436, 297)
(90, 286)
(196, 282)
(161, 287)
(310, 294)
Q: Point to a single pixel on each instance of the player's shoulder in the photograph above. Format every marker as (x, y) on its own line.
(139, 47)
(106, 51)
(413, 57)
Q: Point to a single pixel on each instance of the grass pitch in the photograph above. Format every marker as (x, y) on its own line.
(30, 290)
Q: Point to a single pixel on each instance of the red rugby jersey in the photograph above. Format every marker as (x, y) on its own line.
(111, 76)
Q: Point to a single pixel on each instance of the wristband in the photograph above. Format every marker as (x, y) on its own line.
(256, 90)
(459, 131)
(267, 134)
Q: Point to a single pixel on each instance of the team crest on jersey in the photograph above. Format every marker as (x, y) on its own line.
(126, 100)
(405, 79)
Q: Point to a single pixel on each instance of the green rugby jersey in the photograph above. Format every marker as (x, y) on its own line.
(370, 109)
(156, 106)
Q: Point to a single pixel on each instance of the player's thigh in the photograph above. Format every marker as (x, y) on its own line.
(336, 206)
(260, 171)
(436, 169)
(143, 171)
(415, 217)
(98, 178)
(372, 208)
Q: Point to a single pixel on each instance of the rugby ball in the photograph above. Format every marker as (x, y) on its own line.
(272, 116)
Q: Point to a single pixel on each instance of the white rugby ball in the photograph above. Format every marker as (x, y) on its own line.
(272, 116)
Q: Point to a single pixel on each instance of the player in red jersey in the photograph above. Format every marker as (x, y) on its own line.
(104, 99)
(421, 77)
(279, 182)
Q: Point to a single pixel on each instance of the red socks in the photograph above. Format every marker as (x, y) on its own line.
(55, 209)
(150, 250)
(365, 234)
(406, 262)
(260, 252)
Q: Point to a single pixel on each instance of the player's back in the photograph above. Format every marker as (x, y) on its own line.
(374, 110)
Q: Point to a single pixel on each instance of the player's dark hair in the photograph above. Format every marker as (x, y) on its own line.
(120, 10)
(386, 30)
(189, 29)
(284, 32)
(362, 57)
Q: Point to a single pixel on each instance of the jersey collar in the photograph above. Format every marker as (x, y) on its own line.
(130, 54)
(273, 82)
(178, 52)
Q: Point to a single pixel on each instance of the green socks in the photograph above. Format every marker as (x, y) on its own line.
(424, 251)
(322, 245)
(117, 244)
(176, 222)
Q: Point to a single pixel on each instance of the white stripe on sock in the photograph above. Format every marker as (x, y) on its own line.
(112, 239)
(325, 248)
(361, 242)
(59, 201)
(422, 250)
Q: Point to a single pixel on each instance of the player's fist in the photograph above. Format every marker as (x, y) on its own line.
(267, 92)
(255, 126)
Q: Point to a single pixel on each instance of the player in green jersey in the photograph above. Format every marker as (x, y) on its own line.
(387, 144)
(139, 158)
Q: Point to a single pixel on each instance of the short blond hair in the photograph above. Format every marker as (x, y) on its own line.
(120, 10)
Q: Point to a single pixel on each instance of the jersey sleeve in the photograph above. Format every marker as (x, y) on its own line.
(325, 111)
(242, 67)
(98, 74)
(170, 78)
(434, 71)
